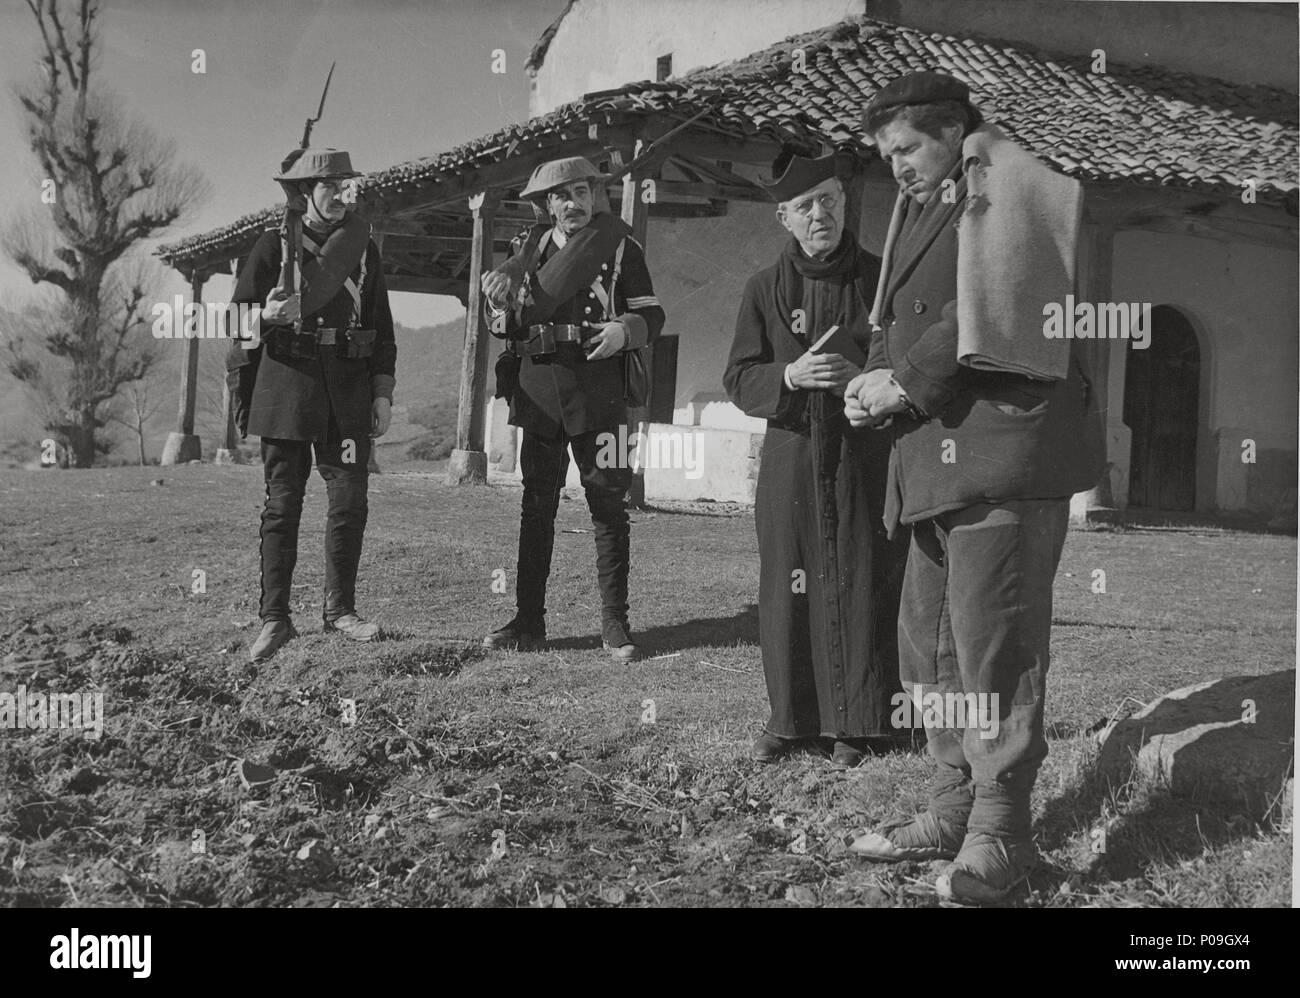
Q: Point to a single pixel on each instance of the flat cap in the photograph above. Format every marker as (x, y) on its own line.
(923, 87)
(316, 164)
(558, 172)
(792, 175)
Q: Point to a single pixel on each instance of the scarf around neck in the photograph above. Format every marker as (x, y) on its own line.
(819, 413)
(794, 267)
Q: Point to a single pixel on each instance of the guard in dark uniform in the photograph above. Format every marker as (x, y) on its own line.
(324, 385)
(570, 324)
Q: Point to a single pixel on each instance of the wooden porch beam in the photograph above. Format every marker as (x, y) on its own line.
(182, 444)
(721, 192)
(468, 464)
(711, 170)
(680, 209)
(427, 285)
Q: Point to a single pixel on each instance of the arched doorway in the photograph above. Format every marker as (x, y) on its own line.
(1161, 397)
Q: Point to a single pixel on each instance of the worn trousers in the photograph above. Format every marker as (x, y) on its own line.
(344, 465)
(976, 618)
(544, 463)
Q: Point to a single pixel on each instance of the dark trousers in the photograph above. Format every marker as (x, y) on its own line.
(544, 463)
(976, 617)
(287, 465)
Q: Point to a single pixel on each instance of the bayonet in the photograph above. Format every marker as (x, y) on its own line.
(320, 111)
(295, 206)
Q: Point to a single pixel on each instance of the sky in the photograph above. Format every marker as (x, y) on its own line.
(414, 78)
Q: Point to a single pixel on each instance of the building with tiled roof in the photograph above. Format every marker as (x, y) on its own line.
(1190, 180)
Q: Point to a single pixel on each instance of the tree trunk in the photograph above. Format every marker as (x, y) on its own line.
(139, 429)
(81, 439)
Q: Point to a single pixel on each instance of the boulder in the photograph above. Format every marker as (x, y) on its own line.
(1226, 742)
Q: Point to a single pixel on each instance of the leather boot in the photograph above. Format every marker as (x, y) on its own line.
(617, 640)
(521, 634)
(275, 635)
(354, 626)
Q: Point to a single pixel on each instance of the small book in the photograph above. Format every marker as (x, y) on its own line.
(840, 341)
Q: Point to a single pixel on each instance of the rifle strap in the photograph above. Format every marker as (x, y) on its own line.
(598, 289)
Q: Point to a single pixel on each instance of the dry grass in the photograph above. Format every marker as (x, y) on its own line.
(530, 779)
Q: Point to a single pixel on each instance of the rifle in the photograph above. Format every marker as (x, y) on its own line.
(295, 206)
(525, 261)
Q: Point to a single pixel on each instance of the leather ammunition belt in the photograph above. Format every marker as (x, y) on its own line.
(348, 342)
(547, 336)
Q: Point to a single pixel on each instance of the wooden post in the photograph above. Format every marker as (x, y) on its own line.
(469, 460)
(228, 449)
(1096, 249)
(183, 445)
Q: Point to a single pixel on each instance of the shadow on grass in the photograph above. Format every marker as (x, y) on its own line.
(703, 632)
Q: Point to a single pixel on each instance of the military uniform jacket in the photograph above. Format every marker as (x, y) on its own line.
(292, 398)
(564, 391)
(993, 435)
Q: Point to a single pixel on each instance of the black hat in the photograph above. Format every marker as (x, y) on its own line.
(792, 175)
(916, 88)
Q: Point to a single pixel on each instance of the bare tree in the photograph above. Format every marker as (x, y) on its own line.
(137, 403)
(114, 184)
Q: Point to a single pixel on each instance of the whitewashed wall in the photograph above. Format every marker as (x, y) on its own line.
(1241, 299)
(603, 44)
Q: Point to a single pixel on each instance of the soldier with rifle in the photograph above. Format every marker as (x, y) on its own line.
(321, 380)
(576, 304)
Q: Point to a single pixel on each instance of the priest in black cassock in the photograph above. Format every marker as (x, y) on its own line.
(828, 578)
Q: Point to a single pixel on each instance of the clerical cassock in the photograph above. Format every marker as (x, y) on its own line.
(829, 578)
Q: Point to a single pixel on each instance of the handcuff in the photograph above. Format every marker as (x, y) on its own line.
(913, 410)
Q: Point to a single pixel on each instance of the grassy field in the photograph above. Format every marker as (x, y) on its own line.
(535, 779)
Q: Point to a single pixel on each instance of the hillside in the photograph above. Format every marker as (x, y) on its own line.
(428, 377)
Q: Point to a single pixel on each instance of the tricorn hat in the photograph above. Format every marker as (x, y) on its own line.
(558, 172)
(793, 174)
(316, 164)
